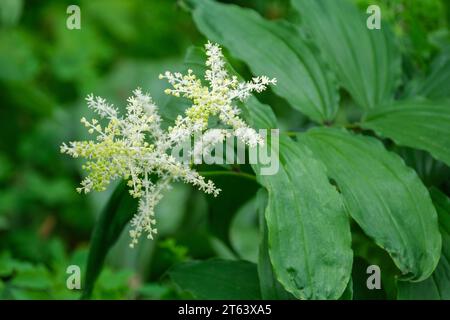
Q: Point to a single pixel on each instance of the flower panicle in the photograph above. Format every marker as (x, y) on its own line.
(217, 99)
(135, 147)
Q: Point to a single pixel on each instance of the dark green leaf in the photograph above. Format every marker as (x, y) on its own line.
(221, 209)
(218, 279)
(115, 216)
(308, 229)
(385, 197)
(365, 61)
(422, 125)
(348, 293)
(272, 49)
(271, 289)
(436, 85)
(303, 211)
(431, 171)
(436, 287)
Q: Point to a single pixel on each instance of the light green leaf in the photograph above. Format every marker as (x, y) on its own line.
(218, 279)
(436, 287)
(272, 49)
(386, 198)
(422, 125)
(365, 61)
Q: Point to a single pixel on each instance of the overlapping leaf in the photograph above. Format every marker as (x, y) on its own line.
(436, 287)
(365, 61)
(308, 230)
(386, 198)
(421, 125)
(273, 49)
(115, 216)
(271, 289)
(218, 279)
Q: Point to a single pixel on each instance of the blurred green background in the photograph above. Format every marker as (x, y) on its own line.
(46, 71)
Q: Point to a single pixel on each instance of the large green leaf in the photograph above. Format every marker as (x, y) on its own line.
(272, 49)
(418, 124)
(304, 215)
(271, 289)
(308, 230)
(115, 216)
(218, 279)
(365, 61)
(436, 287)
(386, 198)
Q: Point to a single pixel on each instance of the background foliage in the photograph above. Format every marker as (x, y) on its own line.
(46, 71)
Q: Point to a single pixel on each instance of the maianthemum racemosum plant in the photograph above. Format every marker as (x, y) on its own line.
(135, 147)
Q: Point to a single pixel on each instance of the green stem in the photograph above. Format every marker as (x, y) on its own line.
(228, 173)
(290, 133)
(353, 126)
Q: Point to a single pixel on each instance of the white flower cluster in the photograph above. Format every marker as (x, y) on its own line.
(137, 149)
(217, 99)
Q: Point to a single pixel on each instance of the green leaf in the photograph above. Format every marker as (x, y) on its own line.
(435, 85)
(431, 171)
(271, 289)
(217, 279)
(300, 192)
(422, 125)
(272, 49)
(365, 61)
(308, 228)
(348, 293)
(115, 216)
(221, 210)
(386, 198)
(244, 231)
(436, 287)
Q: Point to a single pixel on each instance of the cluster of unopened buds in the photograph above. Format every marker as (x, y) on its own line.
(136, 147)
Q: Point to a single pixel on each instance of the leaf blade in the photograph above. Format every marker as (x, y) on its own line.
(437, 286)
(115, 216)
(305, 215)
(422, 125)
(227, 280)
(302, 80)
(365, 61)
(385, 197)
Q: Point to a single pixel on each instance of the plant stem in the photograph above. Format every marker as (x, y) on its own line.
(291, 133)
(228, 173)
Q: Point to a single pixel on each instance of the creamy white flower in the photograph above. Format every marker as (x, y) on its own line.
(216, 99)
(136, 148)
